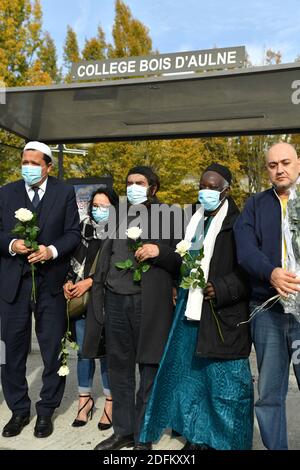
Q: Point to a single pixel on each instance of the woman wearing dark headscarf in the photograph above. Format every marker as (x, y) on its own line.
(79, 281)
(203, 389)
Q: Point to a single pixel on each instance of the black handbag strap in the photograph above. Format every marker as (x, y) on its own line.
(93, 267)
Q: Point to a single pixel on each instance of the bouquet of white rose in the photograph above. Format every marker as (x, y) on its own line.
(134, 235)
(192, 275)
(291, 303)
(191, 271)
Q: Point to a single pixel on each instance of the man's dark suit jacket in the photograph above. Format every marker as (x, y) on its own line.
(59, 226)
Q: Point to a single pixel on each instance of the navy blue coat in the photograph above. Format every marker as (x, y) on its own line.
(259, 241)
(59, 226)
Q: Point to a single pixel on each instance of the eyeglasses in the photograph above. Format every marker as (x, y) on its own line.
(101, 206)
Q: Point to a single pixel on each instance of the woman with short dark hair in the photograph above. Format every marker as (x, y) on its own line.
(79, 281)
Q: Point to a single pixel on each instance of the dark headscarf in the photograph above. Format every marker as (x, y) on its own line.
(221, 170)
(148, 172)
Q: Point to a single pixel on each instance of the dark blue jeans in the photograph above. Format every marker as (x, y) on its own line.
(86, 367)
(276, 337)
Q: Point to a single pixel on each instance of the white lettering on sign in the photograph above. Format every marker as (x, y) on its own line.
(89, 70)
(183, 62)
(123, 67)
(113, 67)
(296, 94)
(131, 66)
(203, 60)
(221, 59)
(231, 57)
(143, 65)
(179, 63)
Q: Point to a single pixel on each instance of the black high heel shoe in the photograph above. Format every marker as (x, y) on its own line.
(105, 426)
(77, 423)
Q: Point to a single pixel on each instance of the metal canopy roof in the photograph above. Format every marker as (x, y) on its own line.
(248, 101)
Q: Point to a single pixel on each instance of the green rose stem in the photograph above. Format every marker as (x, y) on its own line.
(66, 338)
(65, 341)
(68, 319)
(141, 268)
(27, 229)
(216, 320)
(33, 289)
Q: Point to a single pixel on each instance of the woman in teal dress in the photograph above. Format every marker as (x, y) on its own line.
(203, 389)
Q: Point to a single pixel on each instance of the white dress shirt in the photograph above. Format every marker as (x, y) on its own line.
(30, 192)
(41, 191)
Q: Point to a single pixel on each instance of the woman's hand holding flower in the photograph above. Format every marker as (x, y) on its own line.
(68, 290)
(80, 288)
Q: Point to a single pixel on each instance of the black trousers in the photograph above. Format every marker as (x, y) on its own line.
(50, 324)
(122, 327)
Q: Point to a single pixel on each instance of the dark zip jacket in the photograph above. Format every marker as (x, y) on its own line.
(259, 242)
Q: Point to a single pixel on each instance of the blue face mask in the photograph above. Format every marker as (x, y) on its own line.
(137, 194)
(100, 214)
(31, 174)
(210, 199)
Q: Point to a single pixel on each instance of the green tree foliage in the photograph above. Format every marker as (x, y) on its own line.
(96, 48)
(20, 29)
(21, 63)
(35, 75)
(179, 164)
(295, 140)
(251, 153)
(71, 52)
(10, 157)
(47, 55)
(131, 36)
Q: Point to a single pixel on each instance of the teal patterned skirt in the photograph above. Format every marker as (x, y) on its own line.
(207, 401)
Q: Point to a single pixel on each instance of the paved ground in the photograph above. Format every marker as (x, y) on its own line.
(85, 438)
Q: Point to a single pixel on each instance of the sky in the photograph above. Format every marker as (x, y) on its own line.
(187, 25)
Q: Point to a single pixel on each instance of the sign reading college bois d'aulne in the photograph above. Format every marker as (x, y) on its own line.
(184, 62)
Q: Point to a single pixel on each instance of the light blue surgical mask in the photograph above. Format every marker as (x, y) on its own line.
(137, 194)
(210, 199)
(100, 214)
(31, 174)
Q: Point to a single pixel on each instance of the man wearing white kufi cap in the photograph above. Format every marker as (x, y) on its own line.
(57, 218)
(35, 145)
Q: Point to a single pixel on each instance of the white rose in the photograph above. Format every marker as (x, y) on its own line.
(182, 247)
(134, 233)
(23, 215)
(63, 371)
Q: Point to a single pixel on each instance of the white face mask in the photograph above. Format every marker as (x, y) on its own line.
(100, 214)
(31, 174)
(210, 199)
(137, 194)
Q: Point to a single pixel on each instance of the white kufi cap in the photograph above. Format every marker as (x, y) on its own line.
(35, 145)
